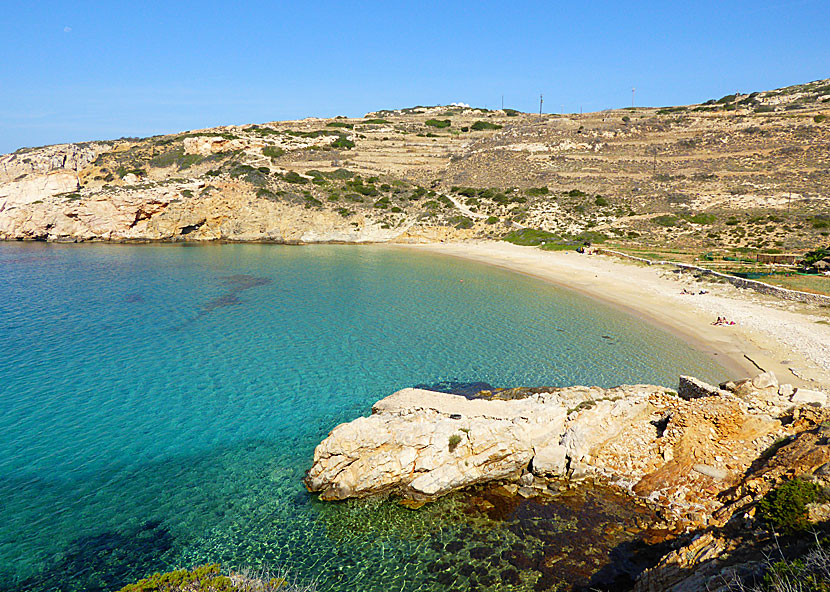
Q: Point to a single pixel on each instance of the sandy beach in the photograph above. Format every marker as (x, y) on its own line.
(790, 339)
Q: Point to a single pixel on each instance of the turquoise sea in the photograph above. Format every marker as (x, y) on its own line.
(159, 405)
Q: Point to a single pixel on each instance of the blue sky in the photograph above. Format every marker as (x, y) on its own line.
(74, 71)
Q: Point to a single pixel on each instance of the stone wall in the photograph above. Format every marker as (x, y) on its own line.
(761, 287)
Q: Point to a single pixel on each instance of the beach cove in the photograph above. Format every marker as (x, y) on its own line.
(162, 402)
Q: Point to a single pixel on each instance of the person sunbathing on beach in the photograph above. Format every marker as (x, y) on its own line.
(720, 321)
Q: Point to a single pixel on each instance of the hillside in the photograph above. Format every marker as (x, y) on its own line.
(741, 172)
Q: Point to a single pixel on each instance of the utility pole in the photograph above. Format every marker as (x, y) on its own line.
(632, 97)
(541, 100)
(502, 102)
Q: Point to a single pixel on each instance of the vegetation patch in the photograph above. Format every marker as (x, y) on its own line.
(667, 220)
(529, 237)
(785, 507)
(485, 125)
(439, 123)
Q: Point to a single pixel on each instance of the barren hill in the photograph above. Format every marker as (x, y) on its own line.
(748, 171)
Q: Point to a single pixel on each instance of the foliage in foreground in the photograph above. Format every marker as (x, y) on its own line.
(808, 573)
(209, 578)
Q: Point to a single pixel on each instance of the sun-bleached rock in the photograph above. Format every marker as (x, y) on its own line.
(802, 396)
(422, 444)
(765, 380)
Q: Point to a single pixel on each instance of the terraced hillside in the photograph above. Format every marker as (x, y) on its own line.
(742, 172)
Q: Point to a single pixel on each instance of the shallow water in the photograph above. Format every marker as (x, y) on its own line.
(159, 404)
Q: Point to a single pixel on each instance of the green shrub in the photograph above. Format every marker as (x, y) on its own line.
(461, 222)
(601, 201)
(666, 220)
(340, 124)
(272, 151)
(785, 507)
(703, 218)
(342, 142)
(455, 440)
(529, 237)
(485, 125)
(465, 129)
(357, 186)
(575, 193)
(294, 177)
(819, 118)
(537, 191)
(491, 220)
(591, 236)
(626, 119)
(510, 112)
(374, 120)
(382, 203)
(439, 123)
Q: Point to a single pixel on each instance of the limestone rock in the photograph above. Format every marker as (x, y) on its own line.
(680, 454)
(802, 395)
(690, 387)
(765, 380)
(786, 390)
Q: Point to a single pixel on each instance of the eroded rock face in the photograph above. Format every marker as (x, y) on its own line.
(678, 453)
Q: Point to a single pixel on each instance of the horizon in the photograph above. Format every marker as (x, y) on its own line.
(94, 72)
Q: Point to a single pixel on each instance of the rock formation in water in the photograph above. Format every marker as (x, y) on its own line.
(680, 451)
(702, 457)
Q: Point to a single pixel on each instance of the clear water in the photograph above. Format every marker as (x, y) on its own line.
(160, 404)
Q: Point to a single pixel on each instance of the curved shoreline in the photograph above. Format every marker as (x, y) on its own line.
(756, 341)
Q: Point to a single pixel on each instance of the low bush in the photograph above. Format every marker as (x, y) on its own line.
(485, 125)
(601, 201)
(461, 221)
(374, 120)
(819, 118)
(537, 191)
(785, 507)
(703, 218)
(340, 124)
(491, 220)
(667, 220)
(439, 123)
(455, 440)
(591, 236)
(529, 237)
(342, 142)
(272, 151)
(294, 177)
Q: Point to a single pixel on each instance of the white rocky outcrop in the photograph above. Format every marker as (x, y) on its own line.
(647, 439)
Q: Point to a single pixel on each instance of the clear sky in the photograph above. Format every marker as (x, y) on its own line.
(74, 71)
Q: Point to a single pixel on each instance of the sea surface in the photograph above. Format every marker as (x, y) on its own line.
(159, 405)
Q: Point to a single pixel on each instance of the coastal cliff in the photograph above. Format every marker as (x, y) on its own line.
(702, 457)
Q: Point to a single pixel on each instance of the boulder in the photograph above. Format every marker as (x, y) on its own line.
(765, 380)
(689, 388)
(786, 390)
(806, 396)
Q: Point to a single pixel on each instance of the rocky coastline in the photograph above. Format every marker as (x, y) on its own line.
(700, 457)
